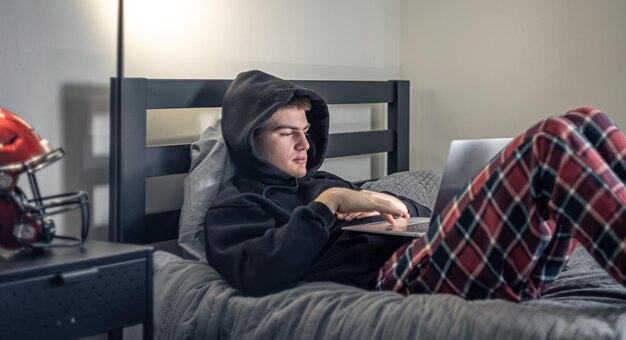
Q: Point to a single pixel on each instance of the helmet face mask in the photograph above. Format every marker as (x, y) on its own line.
(27, 222)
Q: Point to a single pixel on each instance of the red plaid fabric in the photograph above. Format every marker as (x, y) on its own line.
(510, 232)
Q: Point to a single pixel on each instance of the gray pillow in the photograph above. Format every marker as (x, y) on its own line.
(421, 186)
(210, 168)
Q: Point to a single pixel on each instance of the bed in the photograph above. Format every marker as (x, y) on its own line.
(193, 301)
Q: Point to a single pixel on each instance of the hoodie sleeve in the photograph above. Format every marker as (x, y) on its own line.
(415, 209)
(261, 248)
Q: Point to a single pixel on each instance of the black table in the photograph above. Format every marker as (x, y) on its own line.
(76, 292)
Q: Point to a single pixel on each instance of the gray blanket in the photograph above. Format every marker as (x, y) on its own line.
(192, 301)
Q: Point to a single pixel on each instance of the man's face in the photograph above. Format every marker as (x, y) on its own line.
(282, 141)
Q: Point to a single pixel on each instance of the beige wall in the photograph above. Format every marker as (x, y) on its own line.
(490, 68)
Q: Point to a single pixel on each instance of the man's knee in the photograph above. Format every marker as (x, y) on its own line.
(558, 126)
(585, 113)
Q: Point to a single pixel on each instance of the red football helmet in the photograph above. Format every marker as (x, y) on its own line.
(26, 222)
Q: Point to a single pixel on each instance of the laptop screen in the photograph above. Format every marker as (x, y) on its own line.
(465, 159)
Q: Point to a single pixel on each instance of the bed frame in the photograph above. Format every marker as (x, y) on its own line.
(131, 161)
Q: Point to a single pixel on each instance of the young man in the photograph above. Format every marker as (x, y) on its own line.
(273, 224)
(277, 222)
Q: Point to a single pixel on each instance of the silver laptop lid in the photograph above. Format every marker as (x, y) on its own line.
(465, 159)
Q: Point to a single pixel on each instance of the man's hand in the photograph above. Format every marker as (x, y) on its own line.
(361, 214)
(349, 204)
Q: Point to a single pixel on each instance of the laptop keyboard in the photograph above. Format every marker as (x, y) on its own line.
(418, 227)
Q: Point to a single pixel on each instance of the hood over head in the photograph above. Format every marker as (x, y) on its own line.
(251, 99)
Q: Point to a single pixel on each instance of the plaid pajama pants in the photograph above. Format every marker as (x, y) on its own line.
(513, 228)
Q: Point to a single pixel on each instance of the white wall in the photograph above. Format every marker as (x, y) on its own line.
(490, 68)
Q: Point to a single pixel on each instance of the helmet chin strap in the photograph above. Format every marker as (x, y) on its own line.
(69, 241)
(59, 204)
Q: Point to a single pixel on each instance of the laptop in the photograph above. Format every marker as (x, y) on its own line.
(465, 159)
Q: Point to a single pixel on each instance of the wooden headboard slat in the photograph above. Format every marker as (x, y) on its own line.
(173, 93)
(167, 160)
(157, 226)
(343, 144)
(197, 93)
(352, 92)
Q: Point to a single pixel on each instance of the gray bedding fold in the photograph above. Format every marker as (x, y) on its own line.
(192, 301)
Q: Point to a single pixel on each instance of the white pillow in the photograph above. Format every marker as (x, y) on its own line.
(210, 168)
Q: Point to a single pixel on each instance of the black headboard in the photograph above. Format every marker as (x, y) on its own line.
(132, 161)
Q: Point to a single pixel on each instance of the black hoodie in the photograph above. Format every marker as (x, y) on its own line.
(264, 232)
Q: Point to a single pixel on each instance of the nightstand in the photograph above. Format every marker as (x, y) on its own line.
(76, 291)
